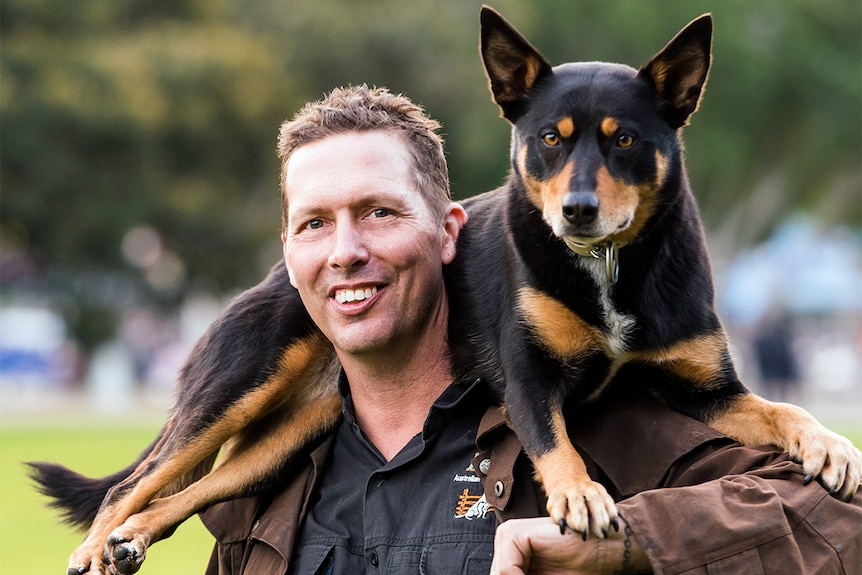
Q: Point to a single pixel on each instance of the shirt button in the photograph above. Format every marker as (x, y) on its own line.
(499, 488)
(374, 559)
(485, 466)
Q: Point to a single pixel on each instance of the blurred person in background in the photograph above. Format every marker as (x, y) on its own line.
(775, 356)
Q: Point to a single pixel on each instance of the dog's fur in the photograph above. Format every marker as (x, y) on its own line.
(586, 270)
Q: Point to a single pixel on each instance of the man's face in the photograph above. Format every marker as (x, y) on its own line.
(362, 245)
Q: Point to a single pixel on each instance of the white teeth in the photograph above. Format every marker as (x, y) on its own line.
(349, 295)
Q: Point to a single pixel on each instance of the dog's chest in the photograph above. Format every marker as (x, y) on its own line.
(618, 326)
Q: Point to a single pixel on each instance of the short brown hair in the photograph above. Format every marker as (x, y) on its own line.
(360, 108)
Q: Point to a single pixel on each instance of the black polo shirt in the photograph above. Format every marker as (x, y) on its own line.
(422, 512)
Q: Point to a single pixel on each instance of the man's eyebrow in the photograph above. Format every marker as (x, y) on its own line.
(295, 220)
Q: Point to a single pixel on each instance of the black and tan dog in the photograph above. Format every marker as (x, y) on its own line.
(587, 270)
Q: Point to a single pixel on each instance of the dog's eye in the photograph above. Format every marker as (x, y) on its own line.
(625, 140)
(551, 139)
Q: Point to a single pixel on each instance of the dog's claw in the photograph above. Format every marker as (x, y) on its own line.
(116, 540)
(808, 479)
(584, 508)
(604, 532)
(615, 523)
(76, 571)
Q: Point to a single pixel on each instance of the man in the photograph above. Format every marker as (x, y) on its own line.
(421, 467)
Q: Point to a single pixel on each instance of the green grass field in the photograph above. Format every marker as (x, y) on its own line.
(31, 538)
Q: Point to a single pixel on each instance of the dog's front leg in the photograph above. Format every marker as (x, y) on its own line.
(535, 413)
(574, 499)
(753, 420)
(546, 357)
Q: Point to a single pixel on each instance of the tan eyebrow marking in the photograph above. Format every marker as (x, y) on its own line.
(566, 127)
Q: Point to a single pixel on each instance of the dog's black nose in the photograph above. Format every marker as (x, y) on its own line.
(580, 208)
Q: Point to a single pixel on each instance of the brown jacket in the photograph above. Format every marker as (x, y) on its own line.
(729, 510)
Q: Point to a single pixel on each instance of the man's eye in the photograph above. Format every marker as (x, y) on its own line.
(381, 212)
(314, 224)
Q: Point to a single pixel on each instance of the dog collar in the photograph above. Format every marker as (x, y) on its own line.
(607, 250)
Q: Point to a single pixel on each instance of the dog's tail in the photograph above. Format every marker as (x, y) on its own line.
(77, 496)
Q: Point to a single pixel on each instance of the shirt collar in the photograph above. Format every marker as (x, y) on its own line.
(462, 393)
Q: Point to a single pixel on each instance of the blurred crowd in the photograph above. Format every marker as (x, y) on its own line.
(794, 319)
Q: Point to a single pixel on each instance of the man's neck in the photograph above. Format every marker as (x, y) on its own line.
(392, 402)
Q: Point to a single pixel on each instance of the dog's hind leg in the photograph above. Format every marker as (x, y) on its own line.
(256, 456)
(181, 451)
(162, 472)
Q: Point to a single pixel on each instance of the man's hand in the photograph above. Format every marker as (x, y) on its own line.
(535, 546)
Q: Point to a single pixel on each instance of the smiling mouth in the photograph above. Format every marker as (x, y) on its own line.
(349, 295)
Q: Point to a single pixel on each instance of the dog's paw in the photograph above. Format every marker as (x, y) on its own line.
(124, 555)
(84, 562)
(88, 569)
(832, 459)
(583, 507)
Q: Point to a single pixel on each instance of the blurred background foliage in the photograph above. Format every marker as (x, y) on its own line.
(138, 137)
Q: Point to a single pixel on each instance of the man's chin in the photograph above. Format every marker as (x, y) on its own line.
(359, 341)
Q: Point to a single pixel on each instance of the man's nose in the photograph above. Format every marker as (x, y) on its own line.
(349, 247)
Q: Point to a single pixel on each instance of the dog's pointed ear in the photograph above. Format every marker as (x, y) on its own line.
(512, 64)
(679, 72)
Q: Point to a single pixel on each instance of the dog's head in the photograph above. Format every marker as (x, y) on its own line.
(595, 144)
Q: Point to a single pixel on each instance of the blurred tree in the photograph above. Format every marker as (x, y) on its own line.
(124, 115)
(137, 157)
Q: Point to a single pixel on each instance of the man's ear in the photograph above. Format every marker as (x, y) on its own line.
(455, 219)
(286, 262)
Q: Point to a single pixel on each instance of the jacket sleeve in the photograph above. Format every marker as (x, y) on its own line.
(748, 523)
(725, 508)
(700, 503)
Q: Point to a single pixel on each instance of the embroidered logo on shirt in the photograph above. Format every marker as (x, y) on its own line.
(469, 475)
(466, 479)
(472, 507)
(470, 468)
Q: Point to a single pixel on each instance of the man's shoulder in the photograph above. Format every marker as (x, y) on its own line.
(631, 442)
(232, 520)
(636, 441)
